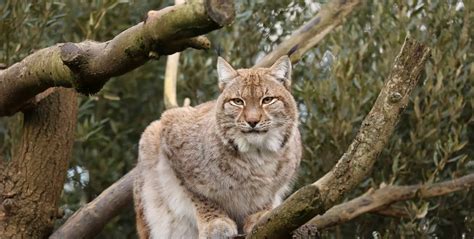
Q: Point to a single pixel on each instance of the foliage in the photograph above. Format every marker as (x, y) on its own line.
(335, 85)
(433, 140)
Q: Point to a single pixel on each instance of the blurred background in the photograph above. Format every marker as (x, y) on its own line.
(335, 85)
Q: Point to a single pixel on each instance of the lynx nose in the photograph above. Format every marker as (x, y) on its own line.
(252, 116)
(253, 123)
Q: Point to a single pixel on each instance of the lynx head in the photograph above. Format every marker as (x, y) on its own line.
(256, 110)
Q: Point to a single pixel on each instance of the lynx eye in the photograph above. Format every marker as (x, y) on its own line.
(268, 100)
(236, 102)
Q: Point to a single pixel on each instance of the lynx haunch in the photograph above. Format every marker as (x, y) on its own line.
(213, 170)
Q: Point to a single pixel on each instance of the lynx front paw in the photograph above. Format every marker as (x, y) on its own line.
(251, 220)
(219, 228)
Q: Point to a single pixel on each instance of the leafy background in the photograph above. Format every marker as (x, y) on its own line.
(335, 85)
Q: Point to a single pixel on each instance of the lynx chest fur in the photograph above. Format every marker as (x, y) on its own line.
(213, 170)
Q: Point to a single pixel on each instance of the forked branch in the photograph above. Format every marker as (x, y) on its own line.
(88, 65)
(373, 200)
(356, 164)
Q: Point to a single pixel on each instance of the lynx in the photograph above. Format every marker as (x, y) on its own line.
(212, 171)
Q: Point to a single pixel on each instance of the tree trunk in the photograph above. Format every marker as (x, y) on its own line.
(31, 184)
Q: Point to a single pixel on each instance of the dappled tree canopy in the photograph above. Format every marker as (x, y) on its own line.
(335, 85)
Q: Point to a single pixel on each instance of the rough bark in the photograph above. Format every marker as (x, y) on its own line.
(373, 200)
(31, 184)
(307, 36)
(357, 162)
(89, 221)
(88, 65)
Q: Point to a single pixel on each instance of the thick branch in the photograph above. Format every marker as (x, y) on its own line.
(357, 162)
(90, 219)
(385, 196)
(88, 65)
(307, 36)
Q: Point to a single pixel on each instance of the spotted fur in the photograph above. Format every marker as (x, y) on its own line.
(213, 170)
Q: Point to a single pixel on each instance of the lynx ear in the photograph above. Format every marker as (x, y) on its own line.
(281, 70)
(225, 72)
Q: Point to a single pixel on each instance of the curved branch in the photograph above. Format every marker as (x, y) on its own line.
(90, 219)
(307, 36)
(357, 162)
(88, 65)
(373, 200)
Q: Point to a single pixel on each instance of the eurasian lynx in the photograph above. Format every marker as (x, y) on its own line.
(213, 170)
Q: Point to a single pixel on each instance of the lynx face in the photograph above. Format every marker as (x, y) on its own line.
(256, 110)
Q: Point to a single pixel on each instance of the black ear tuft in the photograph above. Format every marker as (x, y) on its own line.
(218, 49)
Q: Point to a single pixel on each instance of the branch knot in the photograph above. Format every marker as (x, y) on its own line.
(71, 55)
(394, 97)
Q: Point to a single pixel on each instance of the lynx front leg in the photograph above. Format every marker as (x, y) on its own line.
(212, 221)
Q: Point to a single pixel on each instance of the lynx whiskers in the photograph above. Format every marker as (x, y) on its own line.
(213, 170)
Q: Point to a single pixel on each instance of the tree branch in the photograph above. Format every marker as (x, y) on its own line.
(90, 219)
(373, 200)
(392, 211)
(307, 36)
(171, 76)
(88, 65)
(357, 162)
